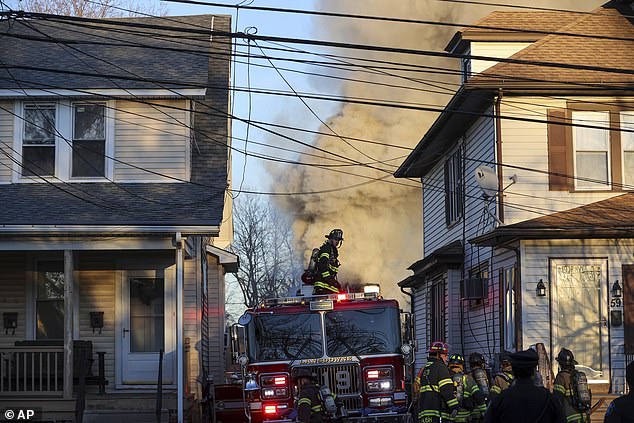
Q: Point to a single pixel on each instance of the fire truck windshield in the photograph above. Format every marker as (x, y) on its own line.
(363, 332)
(285, 337)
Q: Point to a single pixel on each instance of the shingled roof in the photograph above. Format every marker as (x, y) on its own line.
(611, 218)
(69, 54)
(575, 51)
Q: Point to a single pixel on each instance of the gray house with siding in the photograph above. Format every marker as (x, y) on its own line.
(114, 218)
(544, 253)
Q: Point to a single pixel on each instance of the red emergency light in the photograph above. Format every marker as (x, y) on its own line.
(341, 297)
(269, 409)
(281, 380)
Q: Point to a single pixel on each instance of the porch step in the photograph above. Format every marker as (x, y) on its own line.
(599, 414)
(127, 408)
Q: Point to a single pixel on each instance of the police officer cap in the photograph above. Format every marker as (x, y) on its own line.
(526, 358)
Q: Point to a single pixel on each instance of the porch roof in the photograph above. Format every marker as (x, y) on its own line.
(108, 205)
(450, 255)
(611, 218)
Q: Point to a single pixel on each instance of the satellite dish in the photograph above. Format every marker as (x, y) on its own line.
(487, 180)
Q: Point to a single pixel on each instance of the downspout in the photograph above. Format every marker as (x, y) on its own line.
(178, 241)
(498, 146)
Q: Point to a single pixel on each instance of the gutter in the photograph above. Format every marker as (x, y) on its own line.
(107, 229)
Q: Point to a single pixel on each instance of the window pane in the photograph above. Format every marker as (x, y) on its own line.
(38, 161)
(89, 122)
(50, 319)
(628, 169)
(39, 125)
(627, 138)
(147, 315)
(89, 158)
(590, 138)
(592, 167)
(362, 332)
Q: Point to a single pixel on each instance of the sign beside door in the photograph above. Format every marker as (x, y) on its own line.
(579, 314)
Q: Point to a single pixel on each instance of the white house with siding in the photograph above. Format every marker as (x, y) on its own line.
(114, 165)
(547, 105)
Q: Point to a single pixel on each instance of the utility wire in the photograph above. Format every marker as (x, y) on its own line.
(396, 20)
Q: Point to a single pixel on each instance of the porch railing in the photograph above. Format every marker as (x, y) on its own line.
(31, 371)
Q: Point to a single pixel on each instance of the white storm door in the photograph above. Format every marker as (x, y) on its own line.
(147, 326)
(579, 301)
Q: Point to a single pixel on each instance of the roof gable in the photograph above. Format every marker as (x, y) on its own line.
(575, 51)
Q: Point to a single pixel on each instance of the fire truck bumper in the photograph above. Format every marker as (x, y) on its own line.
(374, 418)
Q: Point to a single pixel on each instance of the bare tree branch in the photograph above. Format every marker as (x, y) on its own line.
(268, 266)
(95, 8)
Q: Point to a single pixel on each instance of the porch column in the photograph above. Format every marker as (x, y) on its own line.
(68, 324)
(179, 326)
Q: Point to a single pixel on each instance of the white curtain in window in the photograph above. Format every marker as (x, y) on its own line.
(592, 149)
(627, 144)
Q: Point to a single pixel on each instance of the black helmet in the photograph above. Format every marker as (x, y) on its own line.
(304, 372)
(476, 359)
(456, 359)
(505, 357)
(335, 234)
(566, 358)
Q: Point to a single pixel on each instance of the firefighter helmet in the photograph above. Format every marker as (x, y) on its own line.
(566, 358)
(336, 234)
(456, 359)
(438, 347)
(476, 359)
(505, 357)
(304, 372)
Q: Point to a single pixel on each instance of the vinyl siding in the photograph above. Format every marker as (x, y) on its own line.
(466, 328)
(6, 141)
(421, 324)
(191, 326)
(151, 137)
(13, 298)
(493, 49)
(96, 281)
(536, 312)
(216, 319)
(525, 145)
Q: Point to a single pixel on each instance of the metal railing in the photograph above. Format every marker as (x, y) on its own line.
(32, 371)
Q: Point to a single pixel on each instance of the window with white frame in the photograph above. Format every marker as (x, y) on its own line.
(66, 140)
(38, 140)
(49, 300)
(453, 188)
(591, 150)
(627, 145)
(89, 140)
(509, 308)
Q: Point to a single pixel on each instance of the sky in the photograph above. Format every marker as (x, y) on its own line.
(381, 219)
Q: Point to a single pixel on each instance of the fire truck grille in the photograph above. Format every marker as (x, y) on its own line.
(342, 380)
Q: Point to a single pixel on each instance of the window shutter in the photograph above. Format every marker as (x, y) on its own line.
(628, 307)
(559, 152)
(447, 194)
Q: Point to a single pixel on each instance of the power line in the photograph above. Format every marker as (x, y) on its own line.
(396, 20)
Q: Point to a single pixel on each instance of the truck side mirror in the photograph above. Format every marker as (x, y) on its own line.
(236, 332)
(408, 327)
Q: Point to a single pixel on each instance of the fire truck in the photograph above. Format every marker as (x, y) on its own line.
(357, 344)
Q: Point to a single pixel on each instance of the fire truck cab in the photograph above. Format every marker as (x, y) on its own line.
(351, 342)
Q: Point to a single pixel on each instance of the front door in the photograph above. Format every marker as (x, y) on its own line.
(579, 319)
(147, 327)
